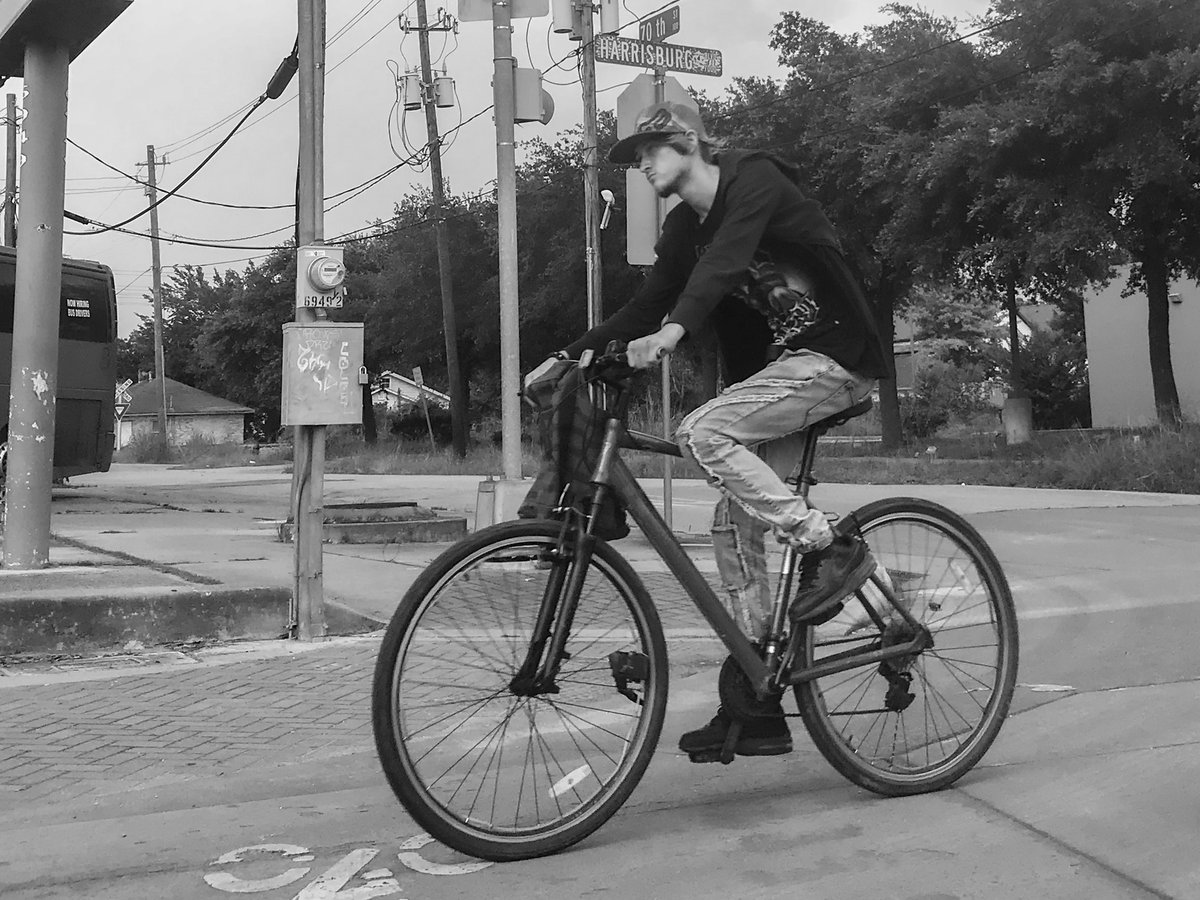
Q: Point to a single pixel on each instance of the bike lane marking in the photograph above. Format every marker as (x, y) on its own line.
(332, 884)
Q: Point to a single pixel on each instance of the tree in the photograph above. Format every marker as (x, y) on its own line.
(855, 112)
(239, 348)
(1093, 149)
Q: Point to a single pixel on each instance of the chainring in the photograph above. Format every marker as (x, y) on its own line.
(738, 697)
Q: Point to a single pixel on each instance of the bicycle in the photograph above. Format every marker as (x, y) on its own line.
(521, 685)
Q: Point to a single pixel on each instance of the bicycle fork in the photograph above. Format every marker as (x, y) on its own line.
(556, 615)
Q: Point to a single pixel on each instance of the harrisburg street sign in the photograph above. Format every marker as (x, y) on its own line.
(624, 51)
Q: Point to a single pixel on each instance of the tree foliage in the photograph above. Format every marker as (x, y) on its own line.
(1034, 150)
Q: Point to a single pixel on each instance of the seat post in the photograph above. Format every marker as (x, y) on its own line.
(807, 458)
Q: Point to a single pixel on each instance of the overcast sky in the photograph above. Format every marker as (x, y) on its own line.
(174, 72)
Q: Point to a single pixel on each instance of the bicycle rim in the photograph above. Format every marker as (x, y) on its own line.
(504, 776)
(920, 722)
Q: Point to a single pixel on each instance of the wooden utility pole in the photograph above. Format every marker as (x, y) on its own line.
(308, 470)
(10, 173)
(458, 402)
(160, 366)
(591, 171)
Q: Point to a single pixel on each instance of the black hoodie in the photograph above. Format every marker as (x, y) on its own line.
(715, 270)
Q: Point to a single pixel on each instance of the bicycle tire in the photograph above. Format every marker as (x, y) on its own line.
(481, 596)
(955, 586)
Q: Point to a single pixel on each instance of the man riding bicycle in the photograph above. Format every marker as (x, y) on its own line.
(747, 251)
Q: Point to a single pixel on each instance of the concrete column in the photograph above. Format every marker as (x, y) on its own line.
(35, 327)
(1017, 417)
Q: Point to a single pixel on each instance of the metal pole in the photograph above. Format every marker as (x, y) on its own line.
(160, 364)
(458, 402)
(308, 471)
(34, 381)
(591, 170)
(660, 94)
(10, 174)
(506, 213)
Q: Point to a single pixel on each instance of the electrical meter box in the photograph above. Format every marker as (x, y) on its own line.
(323, 373)
(319, 276)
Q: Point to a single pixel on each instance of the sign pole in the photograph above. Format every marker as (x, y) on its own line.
(660, 76)
(591, 171)
(503, 88)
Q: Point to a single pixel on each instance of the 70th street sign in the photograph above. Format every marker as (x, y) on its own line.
(659, 27)
(629, 52)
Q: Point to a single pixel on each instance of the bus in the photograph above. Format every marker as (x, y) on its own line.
(87, 363)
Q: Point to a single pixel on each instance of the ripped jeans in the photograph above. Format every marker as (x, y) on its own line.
(747, 440)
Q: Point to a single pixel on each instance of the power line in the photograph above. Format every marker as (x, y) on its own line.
(186, 179)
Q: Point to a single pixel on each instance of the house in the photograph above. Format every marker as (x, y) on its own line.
(393, 391)
(1119, 353)
(191, 412)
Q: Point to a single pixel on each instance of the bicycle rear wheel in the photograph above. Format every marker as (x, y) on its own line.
(487, 770)
(920, 722)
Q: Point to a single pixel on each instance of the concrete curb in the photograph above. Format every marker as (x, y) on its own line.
(151, 616)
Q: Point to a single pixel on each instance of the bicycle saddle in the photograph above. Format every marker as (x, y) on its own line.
(840, 418)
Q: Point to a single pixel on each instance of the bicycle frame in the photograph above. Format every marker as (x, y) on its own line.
(767, 675)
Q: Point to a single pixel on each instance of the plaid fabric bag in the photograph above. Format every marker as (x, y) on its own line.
(570, 431)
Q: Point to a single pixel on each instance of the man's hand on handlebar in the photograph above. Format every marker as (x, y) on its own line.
(648, 350)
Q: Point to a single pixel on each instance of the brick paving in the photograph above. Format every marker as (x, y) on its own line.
(96, 738)
(90, 737)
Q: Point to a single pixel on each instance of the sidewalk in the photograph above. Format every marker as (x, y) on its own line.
(1091, 784)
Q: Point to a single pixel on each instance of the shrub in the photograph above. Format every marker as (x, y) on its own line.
(942, 393)
(146, 447)
(1054, 372)
(408, 423)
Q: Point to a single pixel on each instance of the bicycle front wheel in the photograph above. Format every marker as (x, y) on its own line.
(492, 771)
(919, 722)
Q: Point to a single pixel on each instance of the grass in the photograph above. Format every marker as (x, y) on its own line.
(1155, 459)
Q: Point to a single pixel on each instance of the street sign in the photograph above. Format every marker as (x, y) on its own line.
(658, 28)
(646, 54)
(119, 409)
(417, 376)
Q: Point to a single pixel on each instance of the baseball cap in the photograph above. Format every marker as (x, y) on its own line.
(659, 120)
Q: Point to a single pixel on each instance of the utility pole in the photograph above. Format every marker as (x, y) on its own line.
(156, 272)
(308, 471)
(591, 170)
(506, 214)
(458, 400)
(10, 173)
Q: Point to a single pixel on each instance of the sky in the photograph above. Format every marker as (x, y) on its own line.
(179, 74)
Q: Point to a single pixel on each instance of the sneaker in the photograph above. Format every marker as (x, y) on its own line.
(826, 576)
(759, 737)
